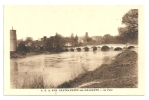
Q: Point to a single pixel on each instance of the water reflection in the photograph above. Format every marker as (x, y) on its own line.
(46, 71)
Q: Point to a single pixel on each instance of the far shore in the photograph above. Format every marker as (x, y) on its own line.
(23, 55)
(14, 55)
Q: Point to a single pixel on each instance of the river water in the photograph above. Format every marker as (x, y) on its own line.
(51, 70)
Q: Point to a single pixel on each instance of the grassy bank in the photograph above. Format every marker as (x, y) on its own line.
(27, 81)
(121, 73)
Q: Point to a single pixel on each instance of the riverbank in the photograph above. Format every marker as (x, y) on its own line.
(23, 55)
(121, 73)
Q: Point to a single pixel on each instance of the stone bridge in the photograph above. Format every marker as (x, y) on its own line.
(95, 48)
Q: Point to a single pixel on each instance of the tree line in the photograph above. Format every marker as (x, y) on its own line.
(127, 34)
(52, 44)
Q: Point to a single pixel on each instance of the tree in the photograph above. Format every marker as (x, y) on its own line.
(130, 32)
(86, 36)
(28, 40)
(50, 43)
(76, 40)
(89, 39)
(44, 38)
(67, 40)
(107, 38)
(72, 39)
(55, 43)
(22, 48)
(29, 43)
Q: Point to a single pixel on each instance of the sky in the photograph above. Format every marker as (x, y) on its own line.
(38, 21)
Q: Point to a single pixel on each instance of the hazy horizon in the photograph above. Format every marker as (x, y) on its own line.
(39, 21)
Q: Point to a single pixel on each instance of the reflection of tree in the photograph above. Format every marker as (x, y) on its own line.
(84, 61)
(79, 65)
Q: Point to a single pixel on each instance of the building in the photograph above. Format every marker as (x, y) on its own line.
(97, 38)
(39, 39)
(13, 40)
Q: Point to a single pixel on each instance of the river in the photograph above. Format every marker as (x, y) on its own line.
(51, 70)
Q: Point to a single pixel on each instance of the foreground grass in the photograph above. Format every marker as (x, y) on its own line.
(33, 82)
(121, 73)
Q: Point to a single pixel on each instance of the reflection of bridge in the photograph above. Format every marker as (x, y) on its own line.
(94, 48)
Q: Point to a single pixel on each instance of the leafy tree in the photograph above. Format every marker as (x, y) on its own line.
(28, 40)
(89, 39)
(50, 43)
(55, 43)
(72, 39)
(22, 48)
(86, 36)
(67, 40)
(44, 38)
(107, 38)
(130, 32)
(76, 40)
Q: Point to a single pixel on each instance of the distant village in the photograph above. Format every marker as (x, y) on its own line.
(59, 43)
(81, 40)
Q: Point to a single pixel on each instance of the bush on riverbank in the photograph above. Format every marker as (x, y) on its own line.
(121, 73)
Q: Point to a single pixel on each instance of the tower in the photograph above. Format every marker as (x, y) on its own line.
(13, 40)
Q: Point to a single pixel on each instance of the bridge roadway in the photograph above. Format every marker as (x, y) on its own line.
(94, 48)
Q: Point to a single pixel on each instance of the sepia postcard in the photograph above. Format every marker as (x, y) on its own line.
(74, 50)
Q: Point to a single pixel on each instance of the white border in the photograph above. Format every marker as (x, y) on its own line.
(144, 2)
